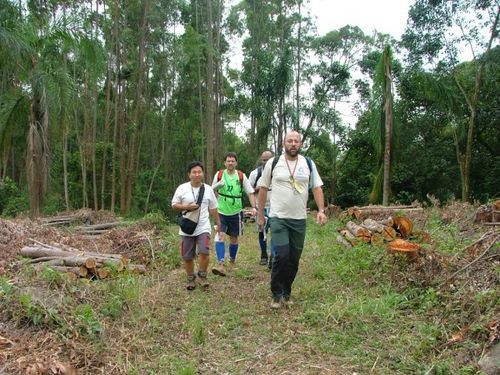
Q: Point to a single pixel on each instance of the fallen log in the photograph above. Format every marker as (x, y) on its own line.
(387, 222)
(54, 252)
(358, 231)
(341, 240)
(70, 261)
(351, 238)
(39, 251)
(361, 213)
(373, 226)
(98, 226)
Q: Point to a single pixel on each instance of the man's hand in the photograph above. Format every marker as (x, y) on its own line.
(254, 211)
(191, 206)
(261, 221)
(321, 218)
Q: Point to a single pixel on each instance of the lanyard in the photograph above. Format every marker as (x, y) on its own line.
(292, 178)
(195, 197)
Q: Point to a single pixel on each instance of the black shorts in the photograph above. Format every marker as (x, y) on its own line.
(232, 224)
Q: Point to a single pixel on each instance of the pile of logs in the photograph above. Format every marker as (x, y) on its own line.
(489, 214)
(361, 213)
(59, 220)
(375, 232)
(64, 258)
(97, 229)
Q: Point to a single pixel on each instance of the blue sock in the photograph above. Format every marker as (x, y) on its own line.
(220, 251)
(233, 249)
(263, 245)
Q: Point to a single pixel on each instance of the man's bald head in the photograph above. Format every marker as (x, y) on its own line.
(266, 155)
(293, 142)
(293, 134)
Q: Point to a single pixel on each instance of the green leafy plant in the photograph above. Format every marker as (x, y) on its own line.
(87, 320)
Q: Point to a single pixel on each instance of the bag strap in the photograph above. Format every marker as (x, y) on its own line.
(200, 195)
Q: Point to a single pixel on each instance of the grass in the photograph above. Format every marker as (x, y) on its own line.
(350, 315)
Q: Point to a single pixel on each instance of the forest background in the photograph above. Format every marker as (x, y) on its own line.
(103, 103)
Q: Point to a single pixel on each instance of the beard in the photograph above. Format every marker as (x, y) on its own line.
(292, 152)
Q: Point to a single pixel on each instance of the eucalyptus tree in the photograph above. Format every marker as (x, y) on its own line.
(268, 61)
(442, 31)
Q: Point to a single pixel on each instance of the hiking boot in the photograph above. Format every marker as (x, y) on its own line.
(276, 304)
(219, 270)
(287, 302)
(263, 261)
(191, 284)
(202, 279)
(232, 266)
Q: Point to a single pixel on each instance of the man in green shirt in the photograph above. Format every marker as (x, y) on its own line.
(230, 184)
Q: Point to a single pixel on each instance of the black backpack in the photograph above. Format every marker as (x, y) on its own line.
(275, 161)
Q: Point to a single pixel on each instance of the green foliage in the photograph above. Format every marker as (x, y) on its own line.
(17, 205)
(87, 320)
(6, 288)
(8, 191)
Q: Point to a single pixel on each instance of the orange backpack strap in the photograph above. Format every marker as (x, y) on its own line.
(240, 176)
(219, 174)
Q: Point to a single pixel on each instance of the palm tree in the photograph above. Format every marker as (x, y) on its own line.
(36, 51)
(383, 128)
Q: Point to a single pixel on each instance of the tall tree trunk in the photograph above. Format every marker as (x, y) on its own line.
(219, 95)
(107, 112)
(37, 157)
(117, 99)
(389, 125)
(84, 144)
(465, 160)
(210, 95)
(95, 102)
(136, 118)
(299, 56)
(200, 95)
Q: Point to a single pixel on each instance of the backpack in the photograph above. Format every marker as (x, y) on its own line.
(240, 177)
(259, 174)
(309, 165)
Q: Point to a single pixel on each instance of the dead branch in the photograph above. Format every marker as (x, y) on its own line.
(471, 263)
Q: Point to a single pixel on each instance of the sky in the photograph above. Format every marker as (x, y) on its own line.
(386, 16)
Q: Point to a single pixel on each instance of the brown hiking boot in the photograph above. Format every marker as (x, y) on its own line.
(219, 270)
(276, 304)
(232, 266)
(202, 279)
(191, 284)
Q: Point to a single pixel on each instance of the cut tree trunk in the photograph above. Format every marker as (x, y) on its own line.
(341, 240)
(389, 233)
(351, 238)
(373, 226)
(403, 225)
(362, 233)
(377, 239)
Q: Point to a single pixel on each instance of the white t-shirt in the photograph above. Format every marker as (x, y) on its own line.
(251, 178)
(185, 194)
(287, 202)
